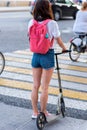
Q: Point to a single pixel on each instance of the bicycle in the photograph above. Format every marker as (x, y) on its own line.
(78, 45)
(2, 62)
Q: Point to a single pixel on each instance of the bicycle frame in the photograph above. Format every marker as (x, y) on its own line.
(82, 36)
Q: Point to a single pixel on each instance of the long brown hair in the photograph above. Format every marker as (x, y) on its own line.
(42, 10)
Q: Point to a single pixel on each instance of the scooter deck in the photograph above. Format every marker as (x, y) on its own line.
(52, 117)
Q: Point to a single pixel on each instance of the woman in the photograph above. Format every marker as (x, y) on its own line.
(43, 64)
(80, 25)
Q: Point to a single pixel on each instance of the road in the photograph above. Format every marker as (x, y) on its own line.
(13, 30)
(16, 80)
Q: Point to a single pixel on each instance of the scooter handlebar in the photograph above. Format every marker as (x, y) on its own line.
(59, 53)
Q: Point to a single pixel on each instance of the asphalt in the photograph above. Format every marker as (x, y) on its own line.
(16, 116)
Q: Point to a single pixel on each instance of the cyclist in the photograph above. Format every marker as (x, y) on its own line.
(80, 25)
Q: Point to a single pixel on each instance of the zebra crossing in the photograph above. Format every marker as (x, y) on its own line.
(16, 79)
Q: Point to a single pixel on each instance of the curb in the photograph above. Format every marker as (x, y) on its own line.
(25, 103)
(13, 9)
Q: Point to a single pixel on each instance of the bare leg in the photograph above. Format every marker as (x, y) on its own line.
(37, 72)
(46, 77)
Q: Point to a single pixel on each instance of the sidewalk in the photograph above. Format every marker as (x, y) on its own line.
(13, 9)
(17, 118)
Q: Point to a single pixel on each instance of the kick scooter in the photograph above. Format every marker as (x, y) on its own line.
(42, 120)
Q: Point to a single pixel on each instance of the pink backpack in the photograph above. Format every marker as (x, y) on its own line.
(38, 37)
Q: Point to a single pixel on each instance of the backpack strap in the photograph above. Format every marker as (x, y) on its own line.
(52, 40)
(45, 22)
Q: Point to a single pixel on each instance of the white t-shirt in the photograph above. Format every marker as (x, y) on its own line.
(80, 24)
(53, 29)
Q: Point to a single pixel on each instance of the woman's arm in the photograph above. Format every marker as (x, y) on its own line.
(60, 43)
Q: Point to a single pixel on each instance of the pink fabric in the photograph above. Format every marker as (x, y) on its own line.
(39, 37)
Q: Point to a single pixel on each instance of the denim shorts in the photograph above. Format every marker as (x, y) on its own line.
(45, 61)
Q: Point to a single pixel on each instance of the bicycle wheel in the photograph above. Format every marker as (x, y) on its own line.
(2, 62)
(74, 54)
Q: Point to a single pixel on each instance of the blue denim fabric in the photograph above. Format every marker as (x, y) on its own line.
(45, 61)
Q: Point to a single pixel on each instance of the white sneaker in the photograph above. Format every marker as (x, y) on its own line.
(34, 116)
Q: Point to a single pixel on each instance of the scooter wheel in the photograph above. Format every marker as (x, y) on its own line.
(41, 121)
(63, 108)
